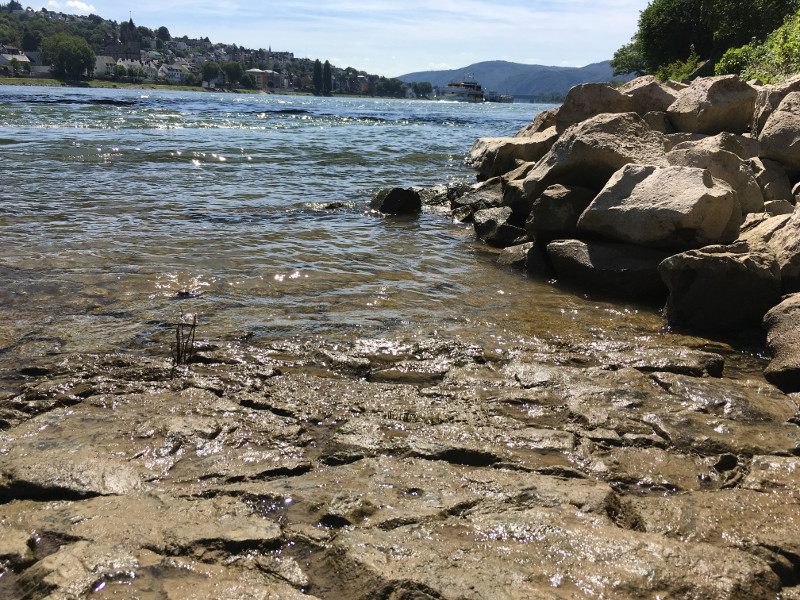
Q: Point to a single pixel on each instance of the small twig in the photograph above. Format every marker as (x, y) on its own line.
(183, 349)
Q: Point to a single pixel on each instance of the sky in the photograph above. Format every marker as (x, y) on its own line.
(389, 37)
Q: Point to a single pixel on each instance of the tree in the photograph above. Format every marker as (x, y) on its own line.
(13, 5)
(210, 70)
(119, 72)
(68, 54)
(327, 80)
(668, 29)
(390, 87)
(629, 59)
(737, 22)
(14, 63)
(423, 89)
(233, 71)
(163, 34)
(317, 78)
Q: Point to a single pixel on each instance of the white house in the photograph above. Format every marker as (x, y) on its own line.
(104, 66)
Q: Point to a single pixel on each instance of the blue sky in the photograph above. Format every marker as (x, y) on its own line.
(392, 38)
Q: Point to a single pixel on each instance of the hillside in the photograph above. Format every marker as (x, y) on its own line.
(519, 79)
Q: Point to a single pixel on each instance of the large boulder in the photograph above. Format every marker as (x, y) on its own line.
(772, 179)
(617, 269)
(587, 155)
(397, 201)
(589, 99)
(783, 340)
(664, 207)
(742, 146)
(495, 156)
(493, 226)
(649, 94)
(768, 98)
(723, 165)
(785, 243)
(544, 120)
(720, 287)
(555, 213)
(711, 105)
(780, 137)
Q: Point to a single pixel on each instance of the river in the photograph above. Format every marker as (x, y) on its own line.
(122, 209)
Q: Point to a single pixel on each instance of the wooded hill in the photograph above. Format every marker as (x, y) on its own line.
(535, 82)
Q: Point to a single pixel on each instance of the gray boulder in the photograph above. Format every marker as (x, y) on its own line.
(544, 120)
(589, 99)
(768, 98)
(587, 155)
(772, 179)
(711, 105)
(486, 195)
(785, 244)
(492, 226)
(742, 146)
(528, 256)
(555, 213)
(783, 340)
(495, 156)
(723, 165)
(778, 207)
(664, 207)
(780, 137)
(720, 287)
(617, 269)
(397, 201)
(649, 94)
(658, 121)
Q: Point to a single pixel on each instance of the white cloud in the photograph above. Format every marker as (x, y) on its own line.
(81, 7)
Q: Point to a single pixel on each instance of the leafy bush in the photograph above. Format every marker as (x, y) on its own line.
(774, 60)
(680, 69)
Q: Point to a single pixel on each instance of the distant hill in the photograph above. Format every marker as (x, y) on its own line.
(525, 81)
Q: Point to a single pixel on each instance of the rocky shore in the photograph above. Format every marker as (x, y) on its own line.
(440, 469)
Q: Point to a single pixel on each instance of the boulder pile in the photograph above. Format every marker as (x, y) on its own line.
(683, 194)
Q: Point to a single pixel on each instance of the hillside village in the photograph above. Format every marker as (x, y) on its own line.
(159, 58)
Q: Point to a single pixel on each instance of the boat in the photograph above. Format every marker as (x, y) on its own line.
(495, 97)
(466, 90)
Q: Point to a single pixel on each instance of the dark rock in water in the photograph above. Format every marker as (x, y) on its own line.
(397, 201)
(554, 214)
(720, 287)
(618, 269)
(528, 256)
(783, 339)
(492, 226)
(486, 195)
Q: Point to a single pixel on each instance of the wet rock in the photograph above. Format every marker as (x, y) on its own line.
(711, 105)
(664, 207)
(588, 100)
(492, 157)
(495, 227)
(618, 269)
(783, 340)
(397, 201)
(554, 214)
(542, 553)
(15, 548)
(720, 287)
(774, 473)
(515, 256)
(486, 195)
(696, 517)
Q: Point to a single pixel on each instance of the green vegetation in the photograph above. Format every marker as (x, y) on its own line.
(70, 55)
(676, 37)
(774, 60)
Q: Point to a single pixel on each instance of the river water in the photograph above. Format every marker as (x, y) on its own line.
(120, 209)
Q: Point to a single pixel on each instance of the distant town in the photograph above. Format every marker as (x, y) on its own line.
(45, 44)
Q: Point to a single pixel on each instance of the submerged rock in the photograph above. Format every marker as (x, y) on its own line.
(397, 201)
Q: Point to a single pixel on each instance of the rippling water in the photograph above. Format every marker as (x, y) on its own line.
(122, 208)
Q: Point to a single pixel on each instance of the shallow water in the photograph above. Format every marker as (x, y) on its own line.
(123, 208)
